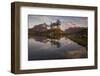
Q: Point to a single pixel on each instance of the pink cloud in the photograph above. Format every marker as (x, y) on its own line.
(69, 25)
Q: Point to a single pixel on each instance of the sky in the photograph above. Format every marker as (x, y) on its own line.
(66, 21)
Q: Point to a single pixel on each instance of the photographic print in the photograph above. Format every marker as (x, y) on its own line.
(57, 37)
(52, 37)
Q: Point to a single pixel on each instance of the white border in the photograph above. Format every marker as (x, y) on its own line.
(25, 64)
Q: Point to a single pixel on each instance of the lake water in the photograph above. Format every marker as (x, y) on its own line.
(42, 48)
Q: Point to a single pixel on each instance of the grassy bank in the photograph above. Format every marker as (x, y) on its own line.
(82, 40)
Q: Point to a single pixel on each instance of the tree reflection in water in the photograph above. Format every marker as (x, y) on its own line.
(55, 42)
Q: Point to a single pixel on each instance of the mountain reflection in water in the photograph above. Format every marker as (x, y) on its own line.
(43, 48)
